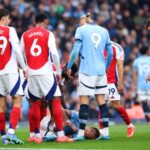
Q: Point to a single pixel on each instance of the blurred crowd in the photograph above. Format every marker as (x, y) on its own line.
(125, 20)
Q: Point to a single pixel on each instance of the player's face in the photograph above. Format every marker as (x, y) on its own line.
(6, 20)
(90, 133)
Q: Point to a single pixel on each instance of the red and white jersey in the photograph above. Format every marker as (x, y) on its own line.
(112, 72)
(38, 44)
(10, 51)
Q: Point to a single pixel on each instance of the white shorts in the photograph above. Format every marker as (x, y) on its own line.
(91, 85)
(143, 95)
(43, 87)
(10, 84)
(113, 94)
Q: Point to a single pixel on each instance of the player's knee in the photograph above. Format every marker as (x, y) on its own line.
(116, 104)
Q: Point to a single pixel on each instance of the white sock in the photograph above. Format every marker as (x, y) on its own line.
(11, 131)
(32, 134)
(38, 135)
(2, 136)
(60, 133)
(105, 131)
(130, 125)
(81, 132)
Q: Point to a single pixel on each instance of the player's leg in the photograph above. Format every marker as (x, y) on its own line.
(31, 122)
(124, 115)
(35, 95)
(15, 90)
(101, 91)
(85, 89)
(2, 119)
(43, 109)
(52, 94)
(146, 110)
(143, 97)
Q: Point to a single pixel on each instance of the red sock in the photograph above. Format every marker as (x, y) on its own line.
(14, 117)
(2, 123)
(36, 115)
(124, 115)
(30, 119)
(57, 114)
(100, 121)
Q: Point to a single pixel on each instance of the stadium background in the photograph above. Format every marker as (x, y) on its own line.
(125, 20)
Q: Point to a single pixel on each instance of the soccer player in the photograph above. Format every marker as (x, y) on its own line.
(71, 127)
(38, 44)
(10, 54)
(115, 86)
(90, 42)
(141, 70)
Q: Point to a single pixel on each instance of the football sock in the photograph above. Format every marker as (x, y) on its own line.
(124, 115)
(30, 119)
(36, 116)
(2, 124)
(57, 114)
(104, 119)
(14, 118)
(83, 117)
(43, 112)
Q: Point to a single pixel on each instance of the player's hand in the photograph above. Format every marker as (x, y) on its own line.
(69, 73)
(120, 87)
(148, 78)
(25, 74)
(58, 77)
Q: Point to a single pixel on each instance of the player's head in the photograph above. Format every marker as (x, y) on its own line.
(41, 19)
(91, 133)
(144, 50)
(85, 18)
(4, 17)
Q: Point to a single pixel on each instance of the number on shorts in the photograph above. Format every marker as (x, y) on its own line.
(111, 91)
(3, 45)
(35, 49)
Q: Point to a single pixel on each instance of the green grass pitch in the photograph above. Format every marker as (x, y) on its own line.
(141, 141)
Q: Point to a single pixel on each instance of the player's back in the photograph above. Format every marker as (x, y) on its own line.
(94, 40)
(8, 63)
(142, 66)
(37, 50)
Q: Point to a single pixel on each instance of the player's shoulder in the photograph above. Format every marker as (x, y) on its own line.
(117, 46)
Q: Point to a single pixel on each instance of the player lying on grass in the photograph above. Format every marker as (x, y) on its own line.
(71, 127)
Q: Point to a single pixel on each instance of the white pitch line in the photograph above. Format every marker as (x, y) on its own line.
(5, 148)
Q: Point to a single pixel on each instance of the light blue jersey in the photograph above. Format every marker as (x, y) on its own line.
(90, 42)
(142, 66)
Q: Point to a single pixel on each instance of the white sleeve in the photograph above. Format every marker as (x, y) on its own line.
(119, 52)
(16, 48)
(54, 52)
(22, 47)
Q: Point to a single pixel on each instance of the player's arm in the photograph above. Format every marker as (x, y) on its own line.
(75, 51)
(109, 50)
(134, 76)
(54, 52)
(15, 46)
(120, 67)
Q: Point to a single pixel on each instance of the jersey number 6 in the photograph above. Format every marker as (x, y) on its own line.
(35, 49)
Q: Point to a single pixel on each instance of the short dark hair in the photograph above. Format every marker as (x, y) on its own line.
(97, 133)
(144, 50)
(40, 17)
(3, 12)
